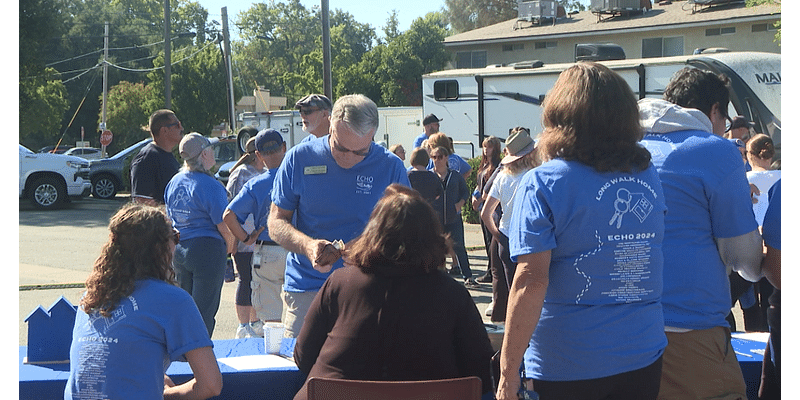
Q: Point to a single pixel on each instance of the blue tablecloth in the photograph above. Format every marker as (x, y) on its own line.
(246, 373)
(249, 373)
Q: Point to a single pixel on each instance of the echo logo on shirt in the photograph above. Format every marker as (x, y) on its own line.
(364, 184)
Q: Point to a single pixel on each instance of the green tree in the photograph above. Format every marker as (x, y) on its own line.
(466, 15)
(129, 108)
(199, 88)
(42, 96)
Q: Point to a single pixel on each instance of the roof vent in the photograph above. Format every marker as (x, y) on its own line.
(527, 64)
(606, 9)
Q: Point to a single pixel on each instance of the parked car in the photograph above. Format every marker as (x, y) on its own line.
(108, 174)
(89, 153)
(49, 180)
(60, 150)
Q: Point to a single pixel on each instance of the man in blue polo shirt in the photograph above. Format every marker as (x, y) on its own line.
(324, 193)
(710, 230)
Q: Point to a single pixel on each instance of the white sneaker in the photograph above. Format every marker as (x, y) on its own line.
(489, 309)
(258, 328)
(243, 332)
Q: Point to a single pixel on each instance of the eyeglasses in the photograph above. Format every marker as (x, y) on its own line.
(176, 235)
(363, 152)
(308, 111)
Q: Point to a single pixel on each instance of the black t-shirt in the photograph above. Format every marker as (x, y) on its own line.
(151, 170)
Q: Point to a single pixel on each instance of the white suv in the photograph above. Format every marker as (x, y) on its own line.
(49, 180)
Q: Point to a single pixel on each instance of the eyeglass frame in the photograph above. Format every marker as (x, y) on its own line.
(361, 153)
(307, 111)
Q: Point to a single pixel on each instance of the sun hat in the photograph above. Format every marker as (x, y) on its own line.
(518, 145)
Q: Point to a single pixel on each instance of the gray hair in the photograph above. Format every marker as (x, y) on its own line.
(358, 112)
(194, 164)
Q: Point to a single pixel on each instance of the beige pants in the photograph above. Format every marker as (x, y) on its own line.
(296, 306)
(701, 364)
(269, 264)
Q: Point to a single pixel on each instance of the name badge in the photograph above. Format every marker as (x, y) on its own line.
(315, 170)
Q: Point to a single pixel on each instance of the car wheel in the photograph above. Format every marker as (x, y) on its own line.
(47, 193)
(104, 187)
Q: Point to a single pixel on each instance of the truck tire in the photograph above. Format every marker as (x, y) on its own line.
(104, 187)
(47, 192)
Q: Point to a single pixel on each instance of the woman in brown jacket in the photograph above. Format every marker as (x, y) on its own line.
(393, 314)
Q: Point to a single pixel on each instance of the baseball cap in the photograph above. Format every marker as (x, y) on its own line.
(193, 144)
(249, 155)
(430, 119)
(314, 100)
(267, 140)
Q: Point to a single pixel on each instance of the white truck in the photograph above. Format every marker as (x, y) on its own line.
(477, 103)
(395, 125)
(49, 180)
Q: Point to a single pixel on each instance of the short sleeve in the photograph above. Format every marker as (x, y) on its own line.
(531, 229)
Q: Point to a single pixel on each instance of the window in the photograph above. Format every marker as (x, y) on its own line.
(445, 90)
(721, 31)
(764, 27)
(662, 47)
(471, 59)
(545, 45)
(513, 47)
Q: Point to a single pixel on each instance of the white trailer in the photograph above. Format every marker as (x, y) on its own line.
(477, 103)
(395, 124)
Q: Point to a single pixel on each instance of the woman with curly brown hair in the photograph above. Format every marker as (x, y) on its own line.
(393, 313)
(584, 309)
(133, 321)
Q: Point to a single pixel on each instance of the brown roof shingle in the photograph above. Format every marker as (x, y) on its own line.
(675, 15)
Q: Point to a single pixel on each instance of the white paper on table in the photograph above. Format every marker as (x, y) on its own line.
(256, 362)
(762, 337)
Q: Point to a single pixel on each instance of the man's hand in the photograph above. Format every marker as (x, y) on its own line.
(325, 254)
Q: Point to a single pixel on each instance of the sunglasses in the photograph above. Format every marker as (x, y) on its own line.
(363, 152)
(308, 111)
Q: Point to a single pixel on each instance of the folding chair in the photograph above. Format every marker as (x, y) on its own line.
(468, 388)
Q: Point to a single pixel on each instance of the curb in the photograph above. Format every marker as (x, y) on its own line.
(48, 286)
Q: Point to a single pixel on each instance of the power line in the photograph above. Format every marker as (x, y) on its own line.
(162, 67)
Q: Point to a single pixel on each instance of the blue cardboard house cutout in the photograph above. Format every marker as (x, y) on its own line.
(50, 332)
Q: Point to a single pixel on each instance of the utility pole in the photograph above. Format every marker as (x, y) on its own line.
(226, 46)
(167, 58)
(326, 51)
(105, 78)
(105, 87)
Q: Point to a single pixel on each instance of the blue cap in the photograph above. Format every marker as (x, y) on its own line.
(268, 139)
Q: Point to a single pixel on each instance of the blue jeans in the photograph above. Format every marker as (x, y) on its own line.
(199, 265)
(456, 231)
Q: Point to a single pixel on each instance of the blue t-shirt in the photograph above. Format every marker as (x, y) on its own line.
(328, 201)
(455, 163)
(602, 312)
(708, 197)
(418, 141)
(254, 199)
(195, 203)
(772, 218)
(125, 356)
